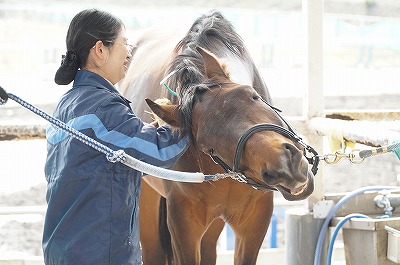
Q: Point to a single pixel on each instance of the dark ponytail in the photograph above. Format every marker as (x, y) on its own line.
(86, 28)
(67, 71)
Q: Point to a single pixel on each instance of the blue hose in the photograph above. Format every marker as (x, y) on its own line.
(336, 231)
(331, 214)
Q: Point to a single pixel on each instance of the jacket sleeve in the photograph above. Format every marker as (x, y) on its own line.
(124, 130)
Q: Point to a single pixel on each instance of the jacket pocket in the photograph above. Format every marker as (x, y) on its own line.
(133, 221)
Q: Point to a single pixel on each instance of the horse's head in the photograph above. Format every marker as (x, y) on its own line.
(217, 113)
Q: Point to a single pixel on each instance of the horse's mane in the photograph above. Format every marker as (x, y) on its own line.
(217, 35)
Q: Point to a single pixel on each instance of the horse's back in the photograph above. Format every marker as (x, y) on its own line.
(154, 50)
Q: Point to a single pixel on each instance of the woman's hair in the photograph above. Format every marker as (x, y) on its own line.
(86, 28)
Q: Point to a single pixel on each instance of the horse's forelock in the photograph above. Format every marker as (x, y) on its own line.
(187, 102)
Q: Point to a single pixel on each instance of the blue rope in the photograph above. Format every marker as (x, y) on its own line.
(394, 147)
(112, 156)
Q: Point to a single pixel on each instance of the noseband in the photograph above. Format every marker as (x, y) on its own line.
(289, 133)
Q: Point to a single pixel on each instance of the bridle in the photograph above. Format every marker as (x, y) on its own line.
(289, 133)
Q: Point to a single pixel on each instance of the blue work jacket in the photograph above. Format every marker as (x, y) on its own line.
(92, 214)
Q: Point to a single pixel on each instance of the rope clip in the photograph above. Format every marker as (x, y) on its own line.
(334, 158)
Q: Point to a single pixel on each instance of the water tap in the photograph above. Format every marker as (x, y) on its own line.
(382, 201)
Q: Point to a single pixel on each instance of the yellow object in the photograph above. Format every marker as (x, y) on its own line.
(337, 141)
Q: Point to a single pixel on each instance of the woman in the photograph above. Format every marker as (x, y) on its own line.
(92, 215)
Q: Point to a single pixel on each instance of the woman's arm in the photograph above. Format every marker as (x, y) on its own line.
(120, 127)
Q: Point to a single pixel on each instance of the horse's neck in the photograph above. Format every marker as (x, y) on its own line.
(194, 160)
(148, 68)
(244, 72)
(239, 70)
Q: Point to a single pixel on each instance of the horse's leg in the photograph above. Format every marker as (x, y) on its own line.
(152, 251)
(209, 242)
(187, 224)
(250, 233)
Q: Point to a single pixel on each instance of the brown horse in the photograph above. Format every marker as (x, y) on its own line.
(224, 106)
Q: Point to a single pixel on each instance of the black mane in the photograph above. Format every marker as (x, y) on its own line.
(217, 35)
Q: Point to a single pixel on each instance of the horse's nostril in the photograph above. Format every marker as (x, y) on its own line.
(294, 153)
(269, 178)
(290, 147)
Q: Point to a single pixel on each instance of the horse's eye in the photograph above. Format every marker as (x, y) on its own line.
(256, 97)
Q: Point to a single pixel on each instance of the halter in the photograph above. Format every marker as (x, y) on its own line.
(289, 133)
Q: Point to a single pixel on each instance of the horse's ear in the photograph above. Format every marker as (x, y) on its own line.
(166, 112)
(211, 64)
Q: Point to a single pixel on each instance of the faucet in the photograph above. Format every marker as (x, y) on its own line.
(382, 201)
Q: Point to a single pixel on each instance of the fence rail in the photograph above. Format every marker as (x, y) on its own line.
(371, 133)
(14, 210)
(22, 131)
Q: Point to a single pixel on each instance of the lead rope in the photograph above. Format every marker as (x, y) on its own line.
(112, 156)
(119, 155)
(357, 156)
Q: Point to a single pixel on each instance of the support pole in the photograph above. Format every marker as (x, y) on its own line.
(313, 104)
(302, 228)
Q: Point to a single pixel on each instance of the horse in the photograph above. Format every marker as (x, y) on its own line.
(221, 102)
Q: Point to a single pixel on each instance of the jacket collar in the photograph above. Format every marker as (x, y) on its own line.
(87, 78)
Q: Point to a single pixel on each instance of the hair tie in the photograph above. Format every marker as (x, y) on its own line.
(69, 59)
(67, 71)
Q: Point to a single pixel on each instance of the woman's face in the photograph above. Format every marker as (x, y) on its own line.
(118, 59)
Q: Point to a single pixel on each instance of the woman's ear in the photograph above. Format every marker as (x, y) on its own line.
(97, 55)
(98, 47)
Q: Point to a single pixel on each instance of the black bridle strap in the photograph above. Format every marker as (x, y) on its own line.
(291, 134)
(240, 146)
(221, 163)
(258, 128)
(313, 160)
(266, 127)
